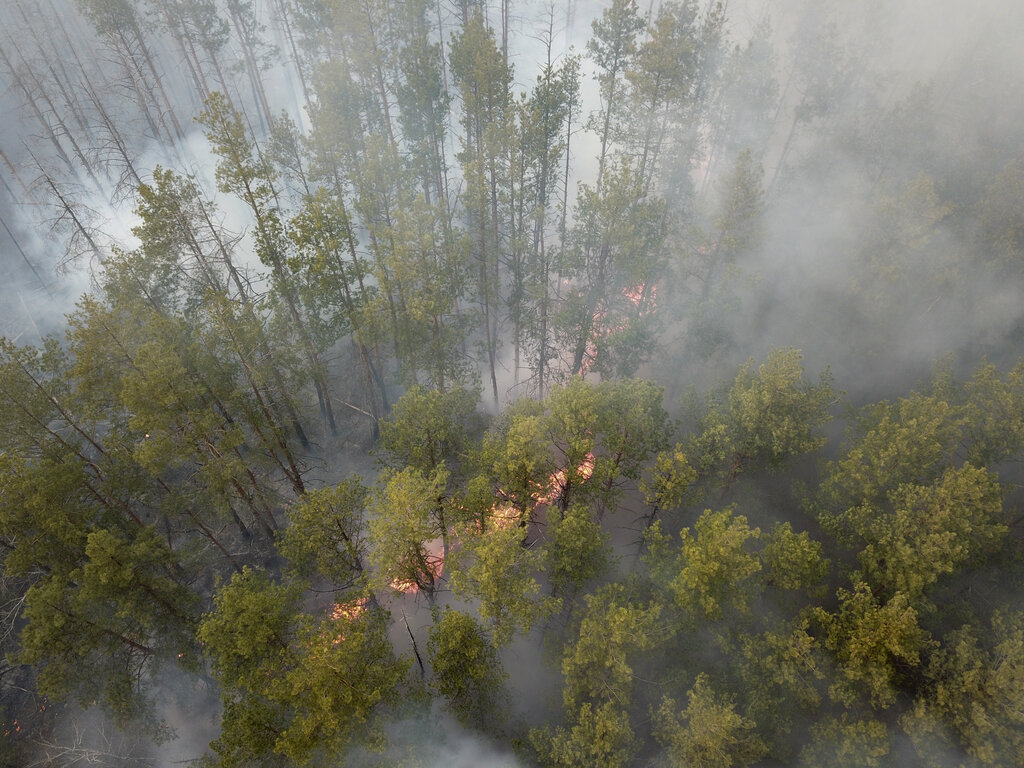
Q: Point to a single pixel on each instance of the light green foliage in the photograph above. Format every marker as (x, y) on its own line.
(432, 226)
(596, 436)
(614, 258)
(467, 670)
(911, 440)
(484, 77)
(33, 381)
(44, 512)
(927, 531)
(176, 416)
(406, 512)
(769, 415)
(774, 413)
(671, 480)
(502, 574)
(976, 689)
(613, 629)
(709, 733)
(662, 76)
(994, 414)
(428, 427)
(346, 675)
(249, 729)
(574, 411)
(714, 444)
(846, 742)
(291, 684)
(249, 632)
(330, 280)
(237, 171)
(100, 629)
(481, 74)
(599, 736)
(428, 271)
(612, 47)
(631, 425)
(793, 560)
(517, 454)
(326, 533)
(578, 548)
(715, 566)
(876, 644)
(782, 669)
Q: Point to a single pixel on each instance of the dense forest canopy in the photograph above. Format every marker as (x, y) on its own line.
(511, 384)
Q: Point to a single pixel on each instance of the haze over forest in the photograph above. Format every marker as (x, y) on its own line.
(511, 383)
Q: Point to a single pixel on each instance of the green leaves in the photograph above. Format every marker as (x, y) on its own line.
(326, 534)
(715, 565)
(100, 629)
(406, 513)
(428, 428)
(578, 550)
(292, 684)
(709, 733)
(927, 531)
(250, 630)
(466, 669)
(598, 736)
(876, 643)
(496, 569)
(613, 629)
(774, 413)
(975, 688)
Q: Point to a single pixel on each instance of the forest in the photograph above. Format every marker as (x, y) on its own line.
(474, 382)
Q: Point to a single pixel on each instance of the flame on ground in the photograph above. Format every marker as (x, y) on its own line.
(435, 566)
(643, 299)
(504, 516)
(346, 612)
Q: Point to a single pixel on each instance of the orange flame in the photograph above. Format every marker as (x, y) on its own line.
(435, 566)
(559, 481)
(600, 328)
(346, 612)
(504, 516)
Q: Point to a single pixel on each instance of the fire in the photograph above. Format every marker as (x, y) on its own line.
(560, 480)
(636, 295)
(504, 516)
(435, 566)
(346, 612)
(600, 327)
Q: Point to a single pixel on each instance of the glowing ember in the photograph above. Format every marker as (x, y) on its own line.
(504, 516)
(601, 328)
(636, 295)
(559, 481)
(434, 561)
(346, 612)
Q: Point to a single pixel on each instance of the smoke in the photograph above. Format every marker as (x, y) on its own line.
(893, 124)
(434, 740)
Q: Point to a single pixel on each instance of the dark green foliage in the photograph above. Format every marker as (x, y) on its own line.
(428, 428)
(466, 669)
(738, 587)
(293, 684)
